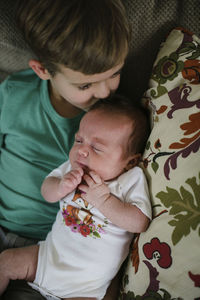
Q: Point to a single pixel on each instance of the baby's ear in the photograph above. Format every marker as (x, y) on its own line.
(39, 69)
(134, 161)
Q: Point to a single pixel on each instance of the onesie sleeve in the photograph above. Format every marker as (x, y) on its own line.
(61, 170)
(135, 190)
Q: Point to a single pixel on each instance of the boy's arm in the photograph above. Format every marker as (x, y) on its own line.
(122, 214)
(55, 188)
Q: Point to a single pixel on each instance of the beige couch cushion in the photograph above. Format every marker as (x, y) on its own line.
(165, 260)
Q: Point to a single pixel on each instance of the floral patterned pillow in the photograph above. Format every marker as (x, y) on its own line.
(164, 261)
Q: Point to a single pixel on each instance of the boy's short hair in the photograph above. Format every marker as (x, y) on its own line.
(120, 105)
(90, 36)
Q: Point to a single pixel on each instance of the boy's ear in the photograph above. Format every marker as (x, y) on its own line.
(133, 161)
(39, 69)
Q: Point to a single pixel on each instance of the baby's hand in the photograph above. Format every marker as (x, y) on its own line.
(96, 192)
(70, 181)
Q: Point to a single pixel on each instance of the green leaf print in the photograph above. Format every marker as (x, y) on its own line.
(191, 48)
(161, 90)
(96, 234)
(125, 280)
(155, 166)
(148, 145)
(185, 207)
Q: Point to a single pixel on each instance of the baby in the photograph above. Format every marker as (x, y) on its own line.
(104, 200)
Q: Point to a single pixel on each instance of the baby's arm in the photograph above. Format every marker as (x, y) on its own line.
(124, 215)
(54, 188)
(18, 263)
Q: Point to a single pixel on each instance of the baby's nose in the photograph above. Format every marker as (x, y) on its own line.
(83, 151)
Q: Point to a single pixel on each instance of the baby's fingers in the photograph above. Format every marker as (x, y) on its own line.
(88, 180)
(97, 179)
(92, 179)
(77, 174)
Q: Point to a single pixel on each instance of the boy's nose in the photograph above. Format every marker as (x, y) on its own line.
(102, 90)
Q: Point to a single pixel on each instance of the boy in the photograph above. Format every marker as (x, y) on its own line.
(79, 62)
(81, 46)
(103, 200)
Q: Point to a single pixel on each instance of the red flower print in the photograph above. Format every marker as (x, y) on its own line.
(157, 144)
(84, 230)
(145, 163)
(69, 220)
(161, 109)
(195, 278)
(191, 71)
(160, 251)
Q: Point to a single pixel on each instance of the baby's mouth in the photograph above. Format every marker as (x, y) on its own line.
(84, 167)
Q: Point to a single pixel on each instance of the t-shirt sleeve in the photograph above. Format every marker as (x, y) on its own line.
(3, 90)
(1, 134)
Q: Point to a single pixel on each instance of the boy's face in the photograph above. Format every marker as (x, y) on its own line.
(101, 143)
(82, 90)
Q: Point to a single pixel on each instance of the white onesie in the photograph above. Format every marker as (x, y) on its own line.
(84, 250)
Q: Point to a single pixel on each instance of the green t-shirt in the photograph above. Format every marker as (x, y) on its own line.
(34, 139)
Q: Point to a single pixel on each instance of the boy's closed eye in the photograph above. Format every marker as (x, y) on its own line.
(84, 87)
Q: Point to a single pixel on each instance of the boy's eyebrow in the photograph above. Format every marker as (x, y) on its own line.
(85, 83)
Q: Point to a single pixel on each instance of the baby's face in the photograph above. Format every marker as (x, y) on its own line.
(101, 143)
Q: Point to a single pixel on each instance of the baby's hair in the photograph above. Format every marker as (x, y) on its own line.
(89, 36)
(120, 105)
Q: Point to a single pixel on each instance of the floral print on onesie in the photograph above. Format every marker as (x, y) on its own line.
(80, 219)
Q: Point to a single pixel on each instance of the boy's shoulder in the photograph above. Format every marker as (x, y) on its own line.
(16, 83)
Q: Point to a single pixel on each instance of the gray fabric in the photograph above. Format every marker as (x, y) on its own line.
(20, 290)
(14, 53)
(12, 240)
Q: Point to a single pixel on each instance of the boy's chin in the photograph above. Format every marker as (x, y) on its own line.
(86, 109)
(92, 102)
